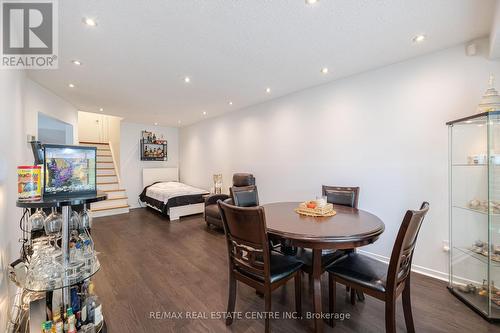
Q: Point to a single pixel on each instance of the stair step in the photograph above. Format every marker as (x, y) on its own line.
(109, 208)
(108, 187)
(106, 183)
(116, 194)
(101, 159)
(117, 198)
(94, 143)
(106, 175)
(105, 168)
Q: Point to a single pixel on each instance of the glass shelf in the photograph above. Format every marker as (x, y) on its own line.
(477, 211)
(479, 303)
(477, 256)
(67, 279)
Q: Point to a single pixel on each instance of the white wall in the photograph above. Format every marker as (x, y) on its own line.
(39, 99)
(382, 130)
(94, 127)
(12, 85)
(20, 101)
(131, 164)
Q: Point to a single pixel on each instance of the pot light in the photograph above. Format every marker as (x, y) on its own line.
(268, 90)
(179, 122)
(418, 38)
(204, 113)
(324, 70)
(90, 22)
(230, 103)
(77, 62)
(187, 79)
(101, 109)
(311, 2)
(71, 85)
(156, 124)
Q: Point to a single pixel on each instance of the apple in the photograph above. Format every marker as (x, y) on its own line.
(311, 205)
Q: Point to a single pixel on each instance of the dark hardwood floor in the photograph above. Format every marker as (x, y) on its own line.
(150, 265)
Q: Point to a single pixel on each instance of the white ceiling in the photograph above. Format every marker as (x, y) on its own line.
(135, 59)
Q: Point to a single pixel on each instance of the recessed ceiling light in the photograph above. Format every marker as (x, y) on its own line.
(77, 62)
(156, 124)
(90, 22)
(101, 109)
(71, 85)
(187, 79)
(230, 103)
(178, 122)
(418, 38)
(311, 2)
(204, 113)
(268, 90)
(324, 70)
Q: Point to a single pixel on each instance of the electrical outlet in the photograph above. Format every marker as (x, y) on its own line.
(446, 245)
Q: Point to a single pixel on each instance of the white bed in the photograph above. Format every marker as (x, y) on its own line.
(163, 185)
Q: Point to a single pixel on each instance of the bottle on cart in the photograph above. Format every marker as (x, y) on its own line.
(75, 306)
(47, 327)
(93, 306)
(58, 327)
(71, 321)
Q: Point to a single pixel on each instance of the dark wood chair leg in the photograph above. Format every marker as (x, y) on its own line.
(231, 302)
(298, 293)
(353, 296)
(267, 297)
(332, 289)
(347, 289)
(390, 316)
(410, 328)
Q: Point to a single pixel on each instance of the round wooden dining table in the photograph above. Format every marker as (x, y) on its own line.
(348, 229)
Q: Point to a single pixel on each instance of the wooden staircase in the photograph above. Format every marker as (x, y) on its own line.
(108, 181)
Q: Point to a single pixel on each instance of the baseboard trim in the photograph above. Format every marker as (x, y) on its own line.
(415, 268)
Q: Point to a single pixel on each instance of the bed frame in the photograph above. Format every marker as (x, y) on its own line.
(149, 176)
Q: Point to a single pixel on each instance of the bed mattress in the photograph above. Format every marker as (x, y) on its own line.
(165, 195)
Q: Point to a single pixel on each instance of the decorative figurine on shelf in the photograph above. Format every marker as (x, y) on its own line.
(491, 99)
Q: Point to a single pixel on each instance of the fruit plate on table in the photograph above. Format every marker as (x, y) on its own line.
(311, 208)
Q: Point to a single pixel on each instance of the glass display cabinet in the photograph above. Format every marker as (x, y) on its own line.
(474, 180)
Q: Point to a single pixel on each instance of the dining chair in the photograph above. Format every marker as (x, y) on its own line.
(341, 195)
(245, 196)
(250, 259)
(380, 280)
(337, 195)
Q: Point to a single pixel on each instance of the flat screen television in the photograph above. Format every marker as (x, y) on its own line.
(69, 170)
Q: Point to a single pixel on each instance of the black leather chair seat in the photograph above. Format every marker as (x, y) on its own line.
(362, 270)
(327, 257)
(281, 267)
(212, 211)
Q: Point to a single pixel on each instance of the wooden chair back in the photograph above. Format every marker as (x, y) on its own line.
(247, 240)
(341, 195)
(404, 246)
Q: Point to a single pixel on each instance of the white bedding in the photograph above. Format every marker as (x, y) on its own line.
(165, 191)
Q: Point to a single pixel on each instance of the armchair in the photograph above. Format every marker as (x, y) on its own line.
(212, 212)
